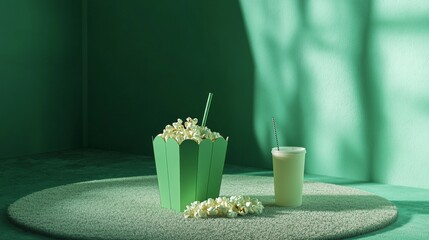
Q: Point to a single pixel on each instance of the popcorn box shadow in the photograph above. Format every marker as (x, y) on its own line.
(188, 171)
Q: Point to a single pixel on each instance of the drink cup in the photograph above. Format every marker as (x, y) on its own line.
(288, 169)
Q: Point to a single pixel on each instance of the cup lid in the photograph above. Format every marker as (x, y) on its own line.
(288, 150)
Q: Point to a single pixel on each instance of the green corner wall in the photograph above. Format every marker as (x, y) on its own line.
(40, 76)
(347, 80)
(151, 62)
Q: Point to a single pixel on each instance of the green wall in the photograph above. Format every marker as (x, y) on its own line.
(349, 81)
(40, 76)
(345, 79)
(151, 62)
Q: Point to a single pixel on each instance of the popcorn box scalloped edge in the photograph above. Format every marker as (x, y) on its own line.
(188, 171)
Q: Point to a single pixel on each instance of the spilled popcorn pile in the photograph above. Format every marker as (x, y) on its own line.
(224, 207)
(188, 130)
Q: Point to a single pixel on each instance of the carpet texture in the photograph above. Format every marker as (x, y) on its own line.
(128, 208)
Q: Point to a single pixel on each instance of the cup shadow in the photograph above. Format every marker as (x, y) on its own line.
(324, 203)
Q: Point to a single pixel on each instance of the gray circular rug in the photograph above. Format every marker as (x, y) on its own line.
(128, 208)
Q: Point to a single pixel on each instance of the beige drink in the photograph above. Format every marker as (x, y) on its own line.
(288, 169)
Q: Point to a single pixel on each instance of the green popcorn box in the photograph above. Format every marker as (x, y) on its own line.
(188, 171)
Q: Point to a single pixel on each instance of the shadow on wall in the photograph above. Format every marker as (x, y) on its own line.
(151, 62)
(344, 79)
(303, 56)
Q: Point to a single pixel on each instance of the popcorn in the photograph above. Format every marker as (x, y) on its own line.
(180, 131)
(224, 207)
(231, 214)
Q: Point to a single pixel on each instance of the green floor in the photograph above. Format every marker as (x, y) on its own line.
(20, 176)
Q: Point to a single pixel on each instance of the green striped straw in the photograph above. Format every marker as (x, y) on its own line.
(206, 112)
(275, 134)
